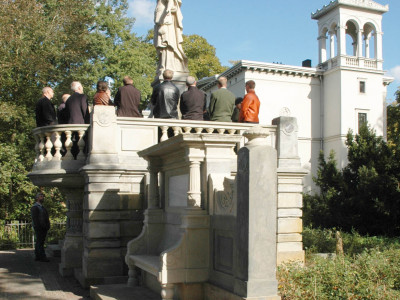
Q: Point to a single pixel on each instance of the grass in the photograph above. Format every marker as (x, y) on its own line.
(369, 269)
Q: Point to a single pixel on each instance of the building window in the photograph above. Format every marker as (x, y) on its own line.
(362, 87)
(362, 120)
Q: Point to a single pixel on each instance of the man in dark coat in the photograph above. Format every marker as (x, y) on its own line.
(77, 108)
(45, 112)
(193, 101)
(41, 224)
(127, 99)
(165, 98)
(222, 102)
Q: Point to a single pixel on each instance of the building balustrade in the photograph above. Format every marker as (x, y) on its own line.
(351, 61)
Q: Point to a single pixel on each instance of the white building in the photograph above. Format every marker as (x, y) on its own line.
(347, 88)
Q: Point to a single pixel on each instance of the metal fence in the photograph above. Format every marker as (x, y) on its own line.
(20, 234)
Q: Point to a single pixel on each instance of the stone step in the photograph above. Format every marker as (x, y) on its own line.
(122, 292)
(53, 250)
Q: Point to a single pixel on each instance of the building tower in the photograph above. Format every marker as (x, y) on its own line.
(353, 87)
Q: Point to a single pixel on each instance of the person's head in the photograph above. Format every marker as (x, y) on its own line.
(65, 97)
(108, 92)
(168, 74)
(39, 198)
(250, 85)
(191, 81)
(48, 92)
(238, 102)
(76, 87)
(127, 80)
(102, 86)
(222, 82)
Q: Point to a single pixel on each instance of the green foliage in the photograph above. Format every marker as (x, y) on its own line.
(366, 189)
(202, 59)
(393, 119)
(372, 274)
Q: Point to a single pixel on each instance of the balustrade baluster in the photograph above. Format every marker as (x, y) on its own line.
(177, 130)
(57, 146)
(187, 129)
(81, 145)
(164, 131)
(48, 146)
(210, 130)
(41, 147)
(198, 130)
(221, 130)
(231, 131)
(68, 145)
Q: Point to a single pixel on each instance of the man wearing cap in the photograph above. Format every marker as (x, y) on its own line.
(193, 101)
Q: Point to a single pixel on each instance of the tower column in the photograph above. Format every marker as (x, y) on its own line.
(332, 43)
(359, 43)
(322, 48)
(341, 39)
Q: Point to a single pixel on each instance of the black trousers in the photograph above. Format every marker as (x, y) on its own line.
(39, 244)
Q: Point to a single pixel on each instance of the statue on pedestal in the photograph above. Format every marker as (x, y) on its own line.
(168, 37)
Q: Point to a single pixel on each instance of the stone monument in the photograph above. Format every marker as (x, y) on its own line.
(168, 41)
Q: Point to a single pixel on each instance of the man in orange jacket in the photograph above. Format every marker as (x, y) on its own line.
(250, 105)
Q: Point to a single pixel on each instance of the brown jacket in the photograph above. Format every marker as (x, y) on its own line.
(250, 108)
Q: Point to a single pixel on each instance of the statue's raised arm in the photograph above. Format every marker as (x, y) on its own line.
(168, 36)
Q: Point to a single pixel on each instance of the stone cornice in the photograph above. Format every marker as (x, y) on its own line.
(365, 4)
(262, 67)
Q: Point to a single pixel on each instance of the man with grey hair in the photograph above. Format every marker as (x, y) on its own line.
(165, 98)
(222, 102)
(44, 110)
(193, 101)
(41, 224)
(77, 107)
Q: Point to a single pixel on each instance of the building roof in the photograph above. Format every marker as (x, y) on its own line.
(242, 65)
(365, 4)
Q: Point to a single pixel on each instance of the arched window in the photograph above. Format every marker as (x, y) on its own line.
(332, 40)
(369, 41)
(351, 38)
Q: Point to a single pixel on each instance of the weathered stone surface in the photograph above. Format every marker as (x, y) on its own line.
(290, 225)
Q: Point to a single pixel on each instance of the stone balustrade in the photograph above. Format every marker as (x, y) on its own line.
(60, 142)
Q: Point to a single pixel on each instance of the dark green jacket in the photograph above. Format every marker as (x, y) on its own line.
(221, 105)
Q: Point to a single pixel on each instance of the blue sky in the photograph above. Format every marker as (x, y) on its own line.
(267, 30)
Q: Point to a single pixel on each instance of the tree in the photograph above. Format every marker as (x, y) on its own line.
(393, 121)
(365, 195)
(202, 59)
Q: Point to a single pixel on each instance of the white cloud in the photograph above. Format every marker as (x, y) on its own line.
(142, 11)
(395, 72)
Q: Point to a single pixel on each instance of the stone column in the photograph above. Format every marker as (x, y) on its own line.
(71, 252)
(255, 257)
(367, 50)
(290, 188)
(341, 40)
(322, 48)
(153, 199)
(359, 43)
(194, 193)
(332, 44)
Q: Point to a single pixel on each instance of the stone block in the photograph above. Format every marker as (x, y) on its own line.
(290, 225)
(289, 246)
(189, 291)
(288, 200)
(130, 228)
(94, 230)
(100, 263)
(292, 256)
(290, 212)
(289, 237)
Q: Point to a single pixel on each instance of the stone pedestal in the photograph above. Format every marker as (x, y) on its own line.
(71, 251)
(290, 189)
(255, 257)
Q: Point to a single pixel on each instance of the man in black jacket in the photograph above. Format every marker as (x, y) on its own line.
(77, 108)
(165, 98)
(41, 224)
(193, 101)
(45, 112)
